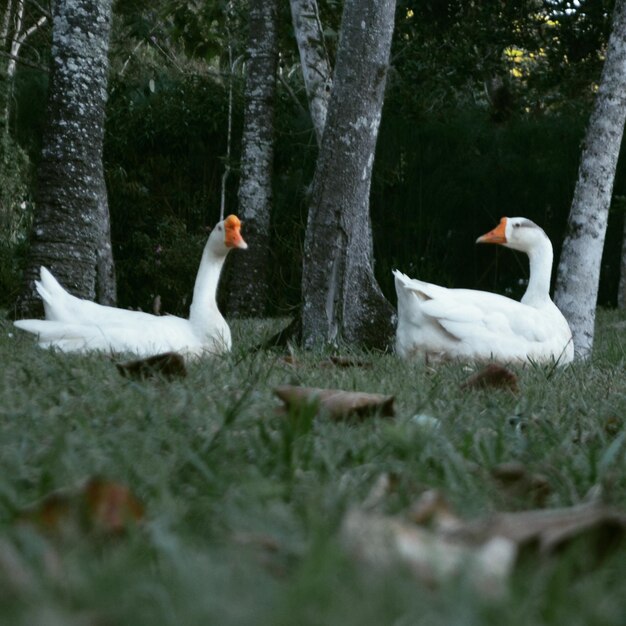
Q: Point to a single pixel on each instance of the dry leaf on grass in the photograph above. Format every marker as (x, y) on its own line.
(99, 505)
(168, 365)
(336, 403)
(492, 376)
(518, 483)
(550, 530)
(384, 541)
(345, 361)
(437, 544)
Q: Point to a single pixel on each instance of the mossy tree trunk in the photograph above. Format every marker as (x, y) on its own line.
(245, 286)
(341, 298)
(71, 231)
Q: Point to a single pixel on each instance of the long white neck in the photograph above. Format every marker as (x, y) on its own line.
(538, 290)
(204, 304)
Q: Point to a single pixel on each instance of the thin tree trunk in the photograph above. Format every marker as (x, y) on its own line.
(19, 37)
(71, 233)
(621, 289)
(4, 25)
(578, 273)
(4, 82)
(313, 60)
(342, 301)
(245, 285)
(13, 160)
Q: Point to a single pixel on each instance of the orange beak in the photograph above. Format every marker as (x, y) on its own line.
(232, 230)
(497, 235)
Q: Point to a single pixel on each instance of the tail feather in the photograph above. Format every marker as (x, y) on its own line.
(55, 298)
(51, 284)
(67, 337)
(48, 304)
(407, 287)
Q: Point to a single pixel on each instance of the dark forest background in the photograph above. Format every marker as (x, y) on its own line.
(485, 111)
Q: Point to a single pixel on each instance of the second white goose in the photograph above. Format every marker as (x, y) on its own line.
(440, 323)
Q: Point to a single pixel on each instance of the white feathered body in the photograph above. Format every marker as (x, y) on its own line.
(76, 325)
(441, 323)
(437, 322)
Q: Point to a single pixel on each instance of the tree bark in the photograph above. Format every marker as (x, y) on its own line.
(71, 233)
(341, 298)
(245, 287)
(20, 35)
(4, 24)
(621, 289)
(14, 162)
(579, 267)
(313, 60)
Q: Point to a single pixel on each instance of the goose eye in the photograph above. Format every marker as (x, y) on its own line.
(516, 225)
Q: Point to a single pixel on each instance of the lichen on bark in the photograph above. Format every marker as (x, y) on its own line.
(71, 232)
(578, 273)
(244, 287)
(341, 298)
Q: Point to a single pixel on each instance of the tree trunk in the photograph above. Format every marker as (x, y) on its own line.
(20, 35)
(4, 67)
(14, 163)
(342, 301)
(245, 287)
(621, 289)
(313, 59)
(5, 24)
(579, 267)
(71, 233)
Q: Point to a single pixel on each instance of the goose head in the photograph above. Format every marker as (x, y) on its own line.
(226, 235)
(517, 233)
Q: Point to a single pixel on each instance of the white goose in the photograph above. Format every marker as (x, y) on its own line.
(75, 325)
(436, 322)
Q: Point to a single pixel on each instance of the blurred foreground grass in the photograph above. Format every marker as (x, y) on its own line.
(244, 506)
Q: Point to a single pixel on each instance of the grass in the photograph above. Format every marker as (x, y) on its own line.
(243, 506)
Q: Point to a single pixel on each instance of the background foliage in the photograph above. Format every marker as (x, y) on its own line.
(486, 107)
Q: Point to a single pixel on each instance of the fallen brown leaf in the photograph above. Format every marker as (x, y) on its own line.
(492, 376)
(289, 359)
(346, 361)
(111, 506)
(518, 483)
(168, 365)
(99, 505)
(550, 529)
(336, 403)
(383, 541)
(437, 544)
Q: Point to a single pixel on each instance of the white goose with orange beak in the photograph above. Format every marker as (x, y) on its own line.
(439, 323)
(75, 325)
